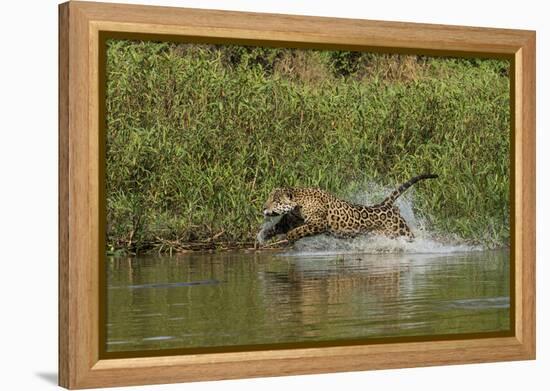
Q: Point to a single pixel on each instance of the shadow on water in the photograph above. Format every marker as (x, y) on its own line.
(239, 298)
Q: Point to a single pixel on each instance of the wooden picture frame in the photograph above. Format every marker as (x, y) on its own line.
(80, 179)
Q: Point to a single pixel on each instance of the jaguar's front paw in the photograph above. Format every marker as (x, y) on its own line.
(279, 242)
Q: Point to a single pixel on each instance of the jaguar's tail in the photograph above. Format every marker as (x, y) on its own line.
(401, 189)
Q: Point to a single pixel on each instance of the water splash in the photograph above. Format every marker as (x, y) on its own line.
(373, 244)
(268, 223)
(425, 242)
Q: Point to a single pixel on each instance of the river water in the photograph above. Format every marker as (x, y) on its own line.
(248, 298)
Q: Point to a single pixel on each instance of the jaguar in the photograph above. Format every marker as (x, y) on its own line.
(311, 211)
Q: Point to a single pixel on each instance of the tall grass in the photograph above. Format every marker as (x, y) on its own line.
(198, 135)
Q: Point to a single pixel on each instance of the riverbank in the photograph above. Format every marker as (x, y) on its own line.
(199, 135)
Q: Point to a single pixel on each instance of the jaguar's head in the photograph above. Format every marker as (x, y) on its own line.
(280, 202)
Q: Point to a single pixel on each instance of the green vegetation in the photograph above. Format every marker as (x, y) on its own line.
(198, 136)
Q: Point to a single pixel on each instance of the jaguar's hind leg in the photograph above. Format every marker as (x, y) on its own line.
(405, 230)
(398, 227)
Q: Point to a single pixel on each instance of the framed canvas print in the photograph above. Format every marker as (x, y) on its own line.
(247, 195)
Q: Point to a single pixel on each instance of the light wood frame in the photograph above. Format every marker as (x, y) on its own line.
(80, 24)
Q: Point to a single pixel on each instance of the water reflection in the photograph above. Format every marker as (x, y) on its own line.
(223, 299)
